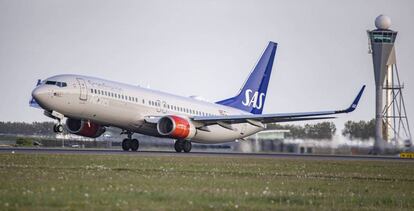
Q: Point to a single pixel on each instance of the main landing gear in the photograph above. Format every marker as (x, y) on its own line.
(182, 145)
(130, 144)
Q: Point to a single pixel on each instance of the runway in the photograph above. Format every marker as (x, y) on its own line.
(16, 150)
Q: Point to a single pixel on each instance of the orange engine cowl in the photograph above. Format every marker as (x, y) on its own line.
(176, 127)
(83, 128)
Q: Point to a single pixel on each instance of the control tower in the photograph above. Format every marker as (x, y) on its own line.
(391, 122)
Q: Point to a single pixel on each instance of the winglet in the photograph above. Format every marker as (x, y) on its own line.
(354, 104)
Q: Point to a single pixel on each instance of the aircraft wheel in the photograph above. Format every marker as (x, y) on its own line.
(58, 128)
(126, 144)
(134, 144)
(187, 146)
(178, 146)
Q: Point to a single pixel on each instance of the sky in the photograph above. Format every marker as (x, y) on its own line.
(204, 48)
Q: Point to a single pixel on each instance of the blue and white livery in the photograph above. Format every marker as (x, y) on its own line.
(88, 105)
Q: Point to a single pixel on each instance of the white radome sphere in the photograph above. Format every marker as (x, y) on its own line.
(383, 22)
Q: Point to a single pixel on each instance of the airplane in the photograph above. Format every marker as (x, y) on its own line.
(91, 104)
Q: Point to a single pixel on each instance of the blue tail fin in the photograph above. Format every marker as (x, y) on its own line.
(251, 97)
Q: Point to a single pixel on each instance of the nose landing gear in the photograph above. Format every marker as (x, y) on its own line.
(58, 128)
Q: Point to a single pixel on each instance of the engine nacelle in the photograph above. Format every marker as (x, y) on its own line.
(84, 128)
(176, 127)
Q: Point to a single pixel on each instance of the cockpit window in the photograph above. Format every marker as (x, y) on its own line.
(57, 83)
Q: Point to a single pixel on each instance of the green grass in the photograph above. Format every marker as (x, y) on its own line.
(108, 182)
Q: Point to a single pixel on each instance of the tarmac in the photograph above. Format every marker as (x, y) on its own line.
(20, 150)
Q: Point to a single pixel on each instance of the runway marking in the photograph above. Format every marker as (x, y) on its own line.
(409, 155)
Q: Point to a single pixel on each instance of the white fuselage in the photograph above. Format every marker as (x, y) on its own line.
(130, 107)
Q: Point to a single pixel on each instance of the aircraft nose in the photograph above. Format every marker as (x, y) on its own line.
(40, 94)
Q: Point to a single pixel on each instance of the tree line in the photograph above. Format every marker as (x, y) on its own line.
(362, 130)
(323, 130)
(23, 128)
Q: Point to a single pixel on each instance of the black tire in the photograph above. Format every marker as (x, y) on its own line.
(59, 128)
(178, 146)
(187, 146)
(134, 144)
(126, 144)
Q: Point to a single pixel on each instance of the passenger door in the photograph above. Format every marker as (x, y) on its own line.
(83, 89)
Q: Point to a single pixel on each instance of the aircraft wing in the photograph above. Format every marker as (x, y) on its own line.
(259, 120)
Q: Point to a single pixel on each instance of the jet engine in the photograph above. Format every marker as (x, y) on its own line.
(84, 128)
(176, 127)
